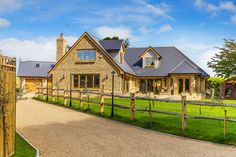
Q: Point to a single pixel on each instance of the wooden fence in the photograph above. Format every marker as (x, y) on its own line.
(67, 95)
(8, 107)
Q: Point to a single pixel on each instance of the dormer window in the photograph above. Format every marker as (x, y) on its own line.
(37, 65)
(149, 62)
(150, 58)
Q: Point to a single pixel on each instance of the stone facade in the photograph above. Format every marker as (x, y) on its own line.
(102, 66)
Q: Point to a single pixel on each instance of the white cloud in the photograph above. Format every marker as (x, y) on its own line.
(165, 28)
(4, 23)
(233, 19)
(200, 3)
(121, 32)
(9, 5)
(42, 48)
(215, 9)
(204, 58)
(227, 5)
(157, 9)
(145, 30)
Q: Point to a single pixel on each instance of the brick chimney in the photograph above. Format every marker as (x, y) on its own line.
(61, 47)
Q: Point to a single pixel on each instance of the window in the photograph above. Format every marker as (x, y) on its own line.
(96, 81)
(187, 85)
(86, 55)
(37, 65)
(80, 55)
(150, 85)
(228, 90)
(180, 85)
(92, 54)
(87, 81)
(149, 61)
(76, 81)
(143, 86)
(82, 81)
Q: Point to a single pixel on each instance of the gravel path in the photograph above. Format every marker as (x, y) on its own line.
(61, 132)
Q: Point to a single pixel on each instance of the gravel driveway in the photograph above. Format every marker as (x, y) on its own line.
(61, 132)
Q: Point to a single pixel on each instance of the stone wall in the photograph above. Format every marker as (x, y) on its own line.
(101, 66)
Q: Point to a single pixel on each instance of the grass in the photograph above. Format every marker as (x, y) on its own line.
(23, 148)
(207, 130)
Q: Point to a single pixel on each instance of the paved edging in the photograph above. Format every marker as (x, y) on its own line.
(37, 150)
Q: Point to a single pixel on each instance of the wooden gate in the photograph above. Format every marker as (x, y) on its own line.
(8, 116)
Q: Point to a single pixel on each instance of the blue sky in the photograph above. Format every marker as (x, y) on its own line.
(28, 28)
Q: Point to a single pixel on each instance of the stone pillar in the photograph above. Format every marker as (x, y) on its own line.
(184, 88)
(192, 85)
(168, 86)
(175, 84)
(203, 86)
(162, 85)
(198, 85)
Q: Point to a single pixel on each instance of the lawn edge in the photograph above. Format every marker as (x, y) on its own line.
(37, 150)
(138, 127)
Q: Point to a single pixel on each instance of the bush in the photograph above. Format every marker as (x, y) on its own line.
(214, 82)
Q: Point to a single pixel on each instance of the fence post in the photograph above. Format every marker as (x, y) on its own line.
(132, 106)
(65, 96)
(37, 92)
(81, 99)
(53, 95)
(225, 123)
(183, 112)
(44, 94)
(102, 100)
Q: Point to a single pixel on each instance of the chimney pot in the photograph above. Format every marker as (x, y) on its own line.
(61, 35)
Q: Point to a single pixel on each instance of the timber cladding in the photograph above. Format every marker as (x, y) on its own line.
(8, 116)
(101, 66)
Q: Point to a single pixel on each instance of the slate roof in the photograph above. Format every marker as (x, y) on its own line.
(111, 44)
(171, 58)
(29, 69)
(185, 67)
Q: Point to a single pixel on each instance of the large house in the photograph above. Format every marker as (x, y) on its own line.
(163, 72)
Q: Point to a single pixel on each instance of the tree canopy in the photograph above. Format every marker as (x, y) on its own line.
(127, 43)
(111, 38)
(224, 62)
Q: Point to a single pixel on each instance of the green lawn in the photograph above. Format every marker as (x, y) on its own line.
(23, 149)
(208, 130)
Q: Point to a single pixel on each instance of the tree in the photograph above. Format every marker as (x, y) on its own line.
(127, 43)
(224, 62)
(111, 38)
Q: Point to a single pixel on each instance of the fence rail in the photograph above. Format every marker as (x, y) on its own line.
(67, 94)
